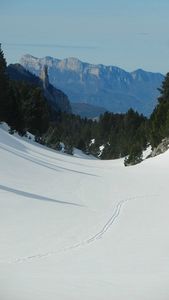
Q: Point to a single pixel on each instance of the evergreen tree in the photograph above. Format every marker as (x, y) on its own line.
(81, 145)
(135, 156)
(35, 112)
(164, 90)
(16, 118)
(4, 89)
(68, 146)
(159, 120)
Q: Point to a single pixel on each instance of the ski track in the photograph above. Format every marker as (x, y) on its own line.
(94, 238)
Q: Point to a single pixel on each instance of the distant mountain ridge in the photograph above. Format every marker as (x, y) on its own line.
(108, 87)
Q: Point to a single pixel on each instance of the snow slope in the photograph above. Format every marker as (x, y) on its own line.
(76, 228)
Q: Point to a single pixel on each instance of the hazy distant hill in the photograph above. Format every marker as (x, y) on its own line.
(106, 86)
(87, 110)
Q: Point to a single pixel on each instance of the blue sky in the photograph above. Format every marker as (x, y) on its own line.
(126, 33)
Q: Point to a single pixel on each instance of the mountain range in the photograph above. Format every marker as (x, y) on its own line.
(108, 87)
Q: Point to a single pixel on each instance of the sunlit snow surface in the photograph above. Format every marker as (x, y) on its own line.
(77, 228)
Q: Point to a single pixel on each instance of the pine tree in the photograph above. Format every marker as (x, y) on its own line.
(164, 90)
(159, 121)
(135, 156)
(68, 147)
(4, 89)
(35, 110)
(16, 117)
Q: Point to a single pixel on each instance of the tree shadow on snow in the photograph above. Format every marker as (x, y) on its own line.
(43, 163)
(35, 196)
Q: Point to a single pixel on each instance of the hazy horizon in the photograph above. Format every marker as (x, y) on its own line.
(128, 34)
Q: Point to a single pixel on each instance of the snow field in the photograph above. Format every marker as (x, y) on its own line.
(78, 228)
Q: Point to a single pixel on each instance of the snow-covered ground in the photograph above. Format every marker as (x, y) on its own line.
(77, 228)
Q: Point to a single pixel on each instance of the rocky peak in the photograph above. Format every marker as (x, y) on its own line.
(44, 76)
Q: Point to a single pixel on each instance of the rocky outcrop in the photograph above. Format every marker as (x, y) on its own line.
(55, 97)
(44, 77)
(161, 148)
